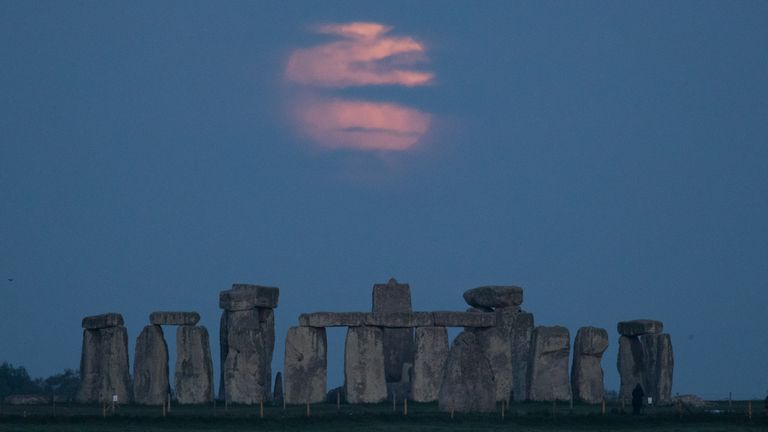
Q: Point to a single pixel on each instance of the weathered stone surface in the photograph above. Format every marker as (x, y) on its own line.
(333, 319)
(107, 320)
(364, 377)
(391, 297)
(248, 363)
(150, 367)
(521, 334)
(429, 361)
(223, 350)
(306, 365)
(548, 368)
(658, 366)
(494, 296)
(244, 297)
(104, 369)
(587, 373)
(394, 298)
(174, 318)
(194, 368)
(468, 384)
(630, 365)
(277, 395)
(640, 327)
(400, 319)
(497, 348)
(464, 319)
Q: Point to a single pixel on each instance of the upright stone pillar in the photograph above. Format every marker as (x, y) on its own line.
(645, 358)
(587, 373)
(150, 367)
(521, 335)
(429, 362)
(468, 383)
(659, 363)
(364, 377)
(104, 368)
(497, 347)
(194, 367)
(249, 342)
(398, 342)
(306, 365)
(548, 369)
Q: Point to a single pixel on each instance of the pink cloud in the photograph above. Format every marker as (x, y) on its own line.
(362, 125)
(365, 56)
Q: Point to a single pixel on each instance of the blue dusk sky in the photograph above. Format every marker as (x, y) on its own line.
(609, 157)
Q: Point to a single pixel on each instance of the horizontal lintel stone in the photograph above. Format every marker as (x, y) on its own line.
(174, 318)
(397, 319)
(103, 321)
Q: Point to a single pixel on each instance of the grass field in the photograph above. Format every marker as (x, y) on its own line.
(421, 417)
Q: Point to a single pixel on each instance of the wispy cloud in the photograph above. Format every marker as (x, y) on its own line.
(364, 54)
(362, 125)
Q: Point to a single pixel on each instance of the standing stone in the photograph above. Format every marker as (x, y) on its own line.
(468, 384)
(150, 367)
(277, 395)
(247, 340)
(364, 378)
(497, 348)
(429, 361)
(548, 368)
(104, 367)
(247, 366)
(398, 343)
(657, 371)
(194, 367)
(587, 373)
(521, 335)
(630, 365)
(223, 350)
(306, 365)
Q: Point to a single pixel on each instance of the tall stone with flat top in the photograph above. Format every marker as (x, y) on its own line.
(194, 367)
(398, 342)
(429, 361)
(150, 367)
(587, 373)
(306, 365)
(364, 378)
(104, 367)
(468, 383)
(645, 358)
(548, 368)
(247, 342)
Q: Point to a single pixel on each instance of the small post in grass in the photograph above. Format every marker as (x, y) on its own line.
(338, 401)
(730, 401)
(283, 402)
(602, 409)
(261, 409)
(451, 413)
(749, 410)
(405, 407)
(394, 402)
(502, 408)
(308, 411)
(169, 402)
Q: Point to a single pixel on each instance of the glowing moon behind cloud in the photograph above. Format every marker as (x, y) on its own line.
(365, 55)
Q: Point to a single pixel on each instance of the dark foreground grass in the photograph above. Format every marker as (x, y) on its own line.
(421, 417)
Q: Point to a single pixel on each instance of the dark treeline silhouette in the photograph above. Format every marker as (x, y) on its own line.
(16, 381)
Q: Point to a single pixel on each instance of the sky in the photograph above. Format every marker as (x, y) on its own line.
(611, 158)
